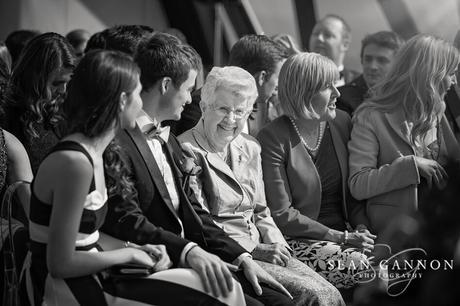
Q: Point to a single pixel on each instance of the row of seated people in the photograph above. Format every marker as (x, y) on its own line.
(186, 230)
(291, 182)
(285, 202)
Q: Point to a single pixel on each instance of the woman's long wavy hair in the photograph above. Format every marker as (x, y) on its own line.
(92, 107)
(28, 91)
(416, 82)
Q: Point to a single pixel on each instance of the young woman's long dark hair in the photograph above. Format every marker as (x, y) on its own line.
(92, 107)
(28, 98)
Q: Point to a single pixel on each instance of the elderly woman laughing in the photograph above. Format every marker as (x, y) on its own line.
(230, 185)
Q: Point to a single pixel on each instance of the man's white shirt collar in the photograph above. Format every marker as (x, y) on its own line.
(145, 123)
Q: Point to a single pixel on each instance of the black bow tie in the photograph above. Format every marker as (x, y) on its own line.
(155, 132)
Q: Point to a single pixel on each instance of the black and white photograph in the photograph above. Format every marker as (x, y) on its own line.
(230, 152)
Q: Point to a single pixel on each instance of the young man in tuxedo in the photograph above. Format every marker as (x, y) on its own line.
(160, 211)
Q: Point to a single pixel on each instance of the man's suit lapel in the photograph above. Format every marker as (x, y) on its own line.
(193, 226)
(151, 164)
(169, 149)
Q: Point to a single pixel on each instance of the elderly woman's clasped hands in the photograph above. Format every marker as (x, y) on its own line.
(275, 253)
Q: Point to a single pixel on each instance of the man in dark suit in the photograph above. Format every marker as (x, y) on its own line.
(263, 58)
(377, 53)
(160, 212)
(331, 37)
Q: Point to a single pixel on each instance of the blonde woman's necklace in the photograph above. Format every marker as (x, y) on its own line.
(319, 139)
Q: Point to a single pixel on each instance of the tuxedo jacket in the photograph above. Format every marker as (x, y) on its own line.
(292, 183)
(149, 217)
(352, 95)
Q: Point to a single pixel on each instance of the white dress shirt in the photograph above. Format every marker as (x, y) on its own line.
(145, 123)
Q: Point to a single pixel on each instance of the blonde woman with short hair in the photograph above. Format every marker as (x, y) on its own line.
(305, 169)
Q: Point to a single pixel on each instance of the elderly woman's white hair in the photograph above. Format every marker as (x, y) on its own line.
(232, 79)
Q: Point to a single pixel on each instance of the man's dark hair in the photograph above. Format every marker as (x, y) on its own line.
(165, 55)
(96, 41)
(255, 53)
(384, 39)
(125, 38)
